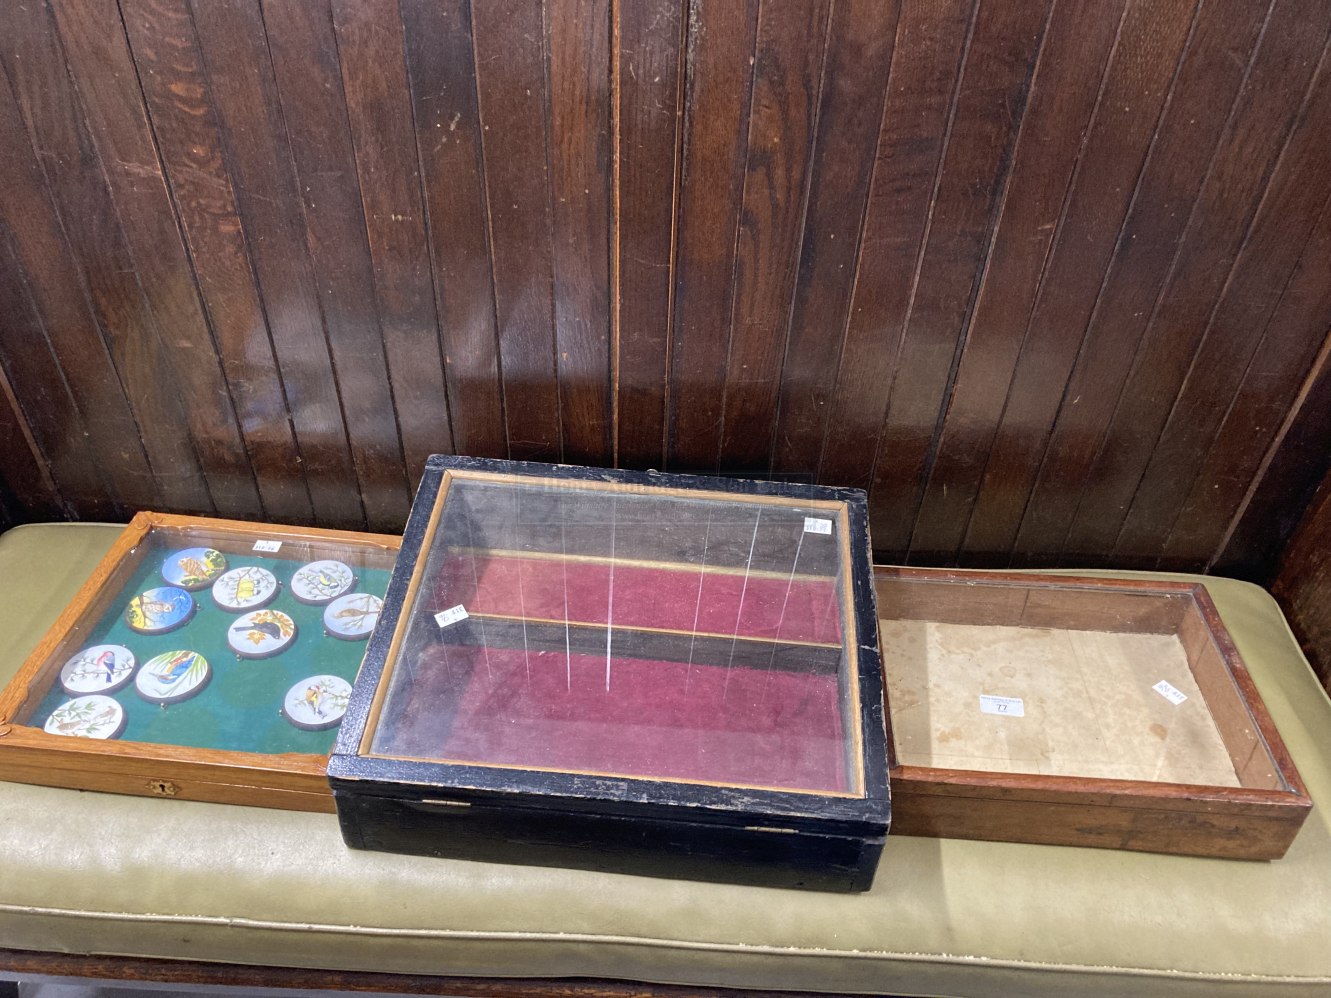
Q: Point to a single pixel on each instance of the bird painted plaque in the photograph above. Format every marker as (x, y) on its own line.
(352, 617)
(321, 582)
(159, 610)
(317, 702)
(193, 568)
(261, 634)
(173, 676)
(248, 588)
(94, 716)
(99, 669)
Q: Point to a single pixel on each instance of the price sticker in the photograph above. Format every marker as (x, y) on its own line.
(1170, 692)
(449, 617)
(1008, 706)
(272, 547)
(817, 525)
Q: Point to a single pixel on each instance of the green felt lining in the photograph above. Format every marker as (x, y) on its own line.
(240, 709)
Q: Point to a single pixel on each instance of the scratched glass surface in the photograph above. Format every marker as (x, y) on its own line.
(629, 631)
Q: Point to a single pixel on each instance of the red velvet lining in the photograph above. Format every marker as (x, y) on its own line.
(795, 609)
(703, 720)
(665, 720)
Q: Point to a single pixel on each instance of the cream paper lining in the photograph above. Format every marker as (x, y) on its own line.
(1089, 706)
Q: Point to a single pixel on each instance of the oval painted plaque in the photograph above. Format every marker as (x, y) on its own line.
(94, 716)
(99, 669)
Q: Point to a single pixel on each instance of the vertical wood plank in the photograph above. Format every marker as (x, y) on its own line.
(511, 80)
(1294, 198)
(1268, 396)
(719, 69)
(926, 62)
(39, 262)
(309, 83)
(184, 123)
(1136, 88)
(50, 417)
(990, 100)
(859, 54)
(249, 114)
(87, 214)
(1263, 416)
(1304, 583)
(31, 494)
(1213, 67)
(578, 38)
(370, 49)
(787, 81)
(442, 79)
(1065, 91)
(100, 66)
(1287, 57)
(1284, 485)
(651, 48)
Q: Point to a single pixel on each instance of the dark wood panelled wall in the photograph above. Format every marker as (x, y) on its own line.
(1050, 278)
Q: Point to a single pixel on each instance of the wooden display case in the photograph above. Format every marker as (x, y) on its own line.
(1077, 711)
(634, 671)
(203, 659)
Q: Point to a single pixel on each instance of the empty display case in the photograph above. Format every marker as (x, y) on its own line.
(658, 673)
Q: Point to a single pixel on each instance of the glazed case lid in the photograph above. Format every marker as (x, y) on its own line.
(617, 641)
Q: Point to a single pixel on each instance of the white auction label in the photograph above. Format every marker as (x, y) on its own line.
(817, 525)
(1010, 706)
(272, 547)
(1170, 692)
(446, 618)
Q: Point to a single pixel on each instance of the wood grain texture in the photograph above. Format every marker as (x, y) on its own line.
(930, 40)
(1295, 197)
(306, 64)
(993, 87)
(35, 63)
(1285, 482)
(1288, 55)
(1065, 92)
(51, 429)
(718, 87)
(242, 88)
(1284, 366)
(175, 87)
(442, 81)
(1135, 86)
(578, 36)
(511, 82)
(860, 48)
(1214, 64)
(100, 68)
(788, 74)
(649, 115)
(370, 50)
(1303, 585)
(1048, 278)
(29, 491)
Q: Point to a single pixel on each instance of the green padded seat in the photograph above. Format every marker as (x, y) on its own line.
(97, 873)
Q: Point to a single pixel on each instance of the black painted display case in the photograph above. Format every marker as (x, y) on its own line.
(650, 673)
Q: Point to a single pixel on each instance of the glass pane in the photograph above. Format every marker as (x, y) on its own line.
(1085, 681)
(636, 632)
(218, 638)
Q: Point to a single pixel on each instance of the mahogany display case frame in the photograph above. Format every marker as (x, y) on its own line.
(1255, 819)
(286, 780)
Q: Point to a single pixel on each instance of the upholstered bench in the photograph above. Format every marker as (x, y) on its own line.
(97, 875)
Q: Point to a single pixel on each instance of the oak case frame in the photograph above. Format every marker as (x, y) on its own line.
(290, 781)
(1256, 820)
